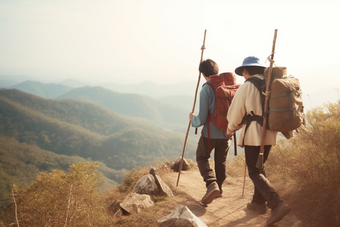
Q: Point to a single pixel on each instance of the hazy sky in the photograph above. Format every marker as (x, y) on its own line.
(130, 41)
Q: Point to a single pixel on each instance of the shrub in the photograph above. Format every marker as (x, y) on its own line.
(310, 164)
(60, 199)
(131, 179)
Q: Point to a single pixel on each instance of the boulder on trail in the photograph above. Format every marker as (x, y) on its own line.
(134, 203)
(180, 217)
(146, 185)
(185, 165)
(163, 189)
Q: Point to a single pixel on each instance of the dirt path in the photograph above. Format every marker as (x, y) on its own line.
(227, 211)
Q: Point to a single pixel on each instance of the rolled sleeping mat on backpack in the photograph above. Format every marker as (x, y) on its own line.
(277, 72)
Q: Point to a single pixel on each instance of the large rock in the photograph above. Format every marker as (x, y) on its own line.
(146, 185)
(134, 203)
(163, 189)
(181, 217)
(114, 206)
(185, 165)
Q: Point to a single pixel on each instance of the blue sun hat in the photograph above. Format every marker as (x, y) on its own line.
(249, 61)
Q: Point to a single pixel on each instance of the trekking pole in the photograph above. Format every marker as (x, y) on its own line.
(244, 178)
(235, 145)
(259, 163)
(193, 110)
(245, 165)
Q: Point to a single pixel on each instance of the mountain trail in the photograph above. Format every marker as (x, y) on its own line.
(229, 210)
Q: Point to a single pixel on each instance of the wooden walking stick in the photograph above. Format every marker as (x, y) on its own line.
(245, 172)
(245, 164)
(193, 110)
(259, 163)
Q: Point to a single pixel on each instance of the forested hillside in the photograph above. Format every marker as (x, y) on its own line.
(77, 128)
(20, 163)
(88, 116)
(80, 129)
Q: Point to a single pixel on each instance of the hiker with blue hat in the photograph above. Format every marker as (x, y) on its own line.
(246, 110)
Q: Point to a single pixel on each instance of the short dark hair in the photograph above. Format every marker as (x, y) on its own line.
(252, 70)
(208, 68)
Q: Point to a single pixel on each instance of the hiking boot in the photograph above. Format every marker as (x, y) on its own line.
(259, 208)
(281, 210)
(221, 191)
(212, 192)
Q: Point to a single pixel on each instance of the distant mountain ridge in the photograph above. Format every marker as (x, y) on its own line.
(154, 90)
(73, 83)
(133, 105)
(40, 89)
(19, 78)
(178, 94)
(7, 83)
(147, 88)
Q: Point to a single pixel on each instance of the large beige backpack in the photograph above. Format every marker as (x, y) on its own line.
(285, 102)
(285, 112)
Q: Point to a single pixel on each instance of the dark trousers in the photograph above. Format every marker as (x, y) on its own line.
(263, 190)
(203, 151)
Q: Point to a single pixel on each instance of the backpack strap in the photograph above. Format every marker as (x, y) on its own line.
(260, 85)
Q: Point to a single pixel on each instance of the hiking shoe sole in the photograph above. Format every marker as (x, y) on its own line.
(209, 198)
(278, 213)
(212, 193)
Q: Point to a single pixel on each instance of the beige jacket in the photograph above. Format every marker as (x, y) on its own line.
(247, 99)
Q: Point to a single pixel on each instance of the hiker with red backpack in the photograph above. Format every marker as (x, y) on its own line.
(247, 107)
(212, 114)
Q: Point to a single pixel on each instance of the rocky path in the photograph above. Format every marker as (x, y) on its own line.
(227, 211)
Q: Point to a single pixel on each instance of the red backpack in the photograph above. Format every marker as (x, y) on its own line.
(225, 87)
